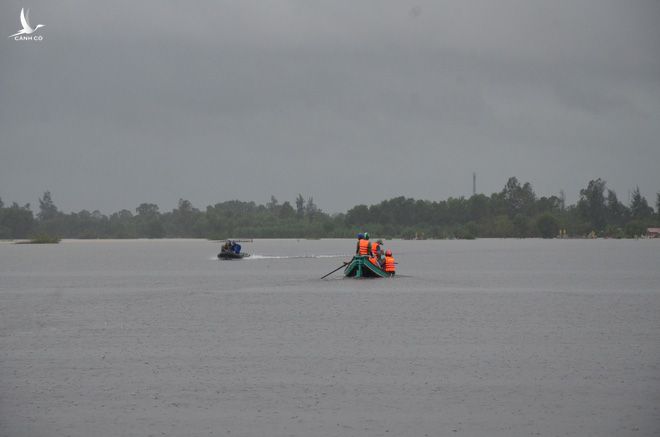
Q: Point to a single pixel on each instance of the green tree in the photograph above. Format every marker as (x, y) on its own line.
(617, 213)
(592, 204)
(502, 227)
(147, 210)
(47, 208)
(16, 221)
(479, 207)
(183, 219)
(547, 225)
(518, 199)
(287, 211)
(548, 204)
(515, 211)
(358, 216)
(522, 226)
(635, 228)
(639, 207)
(273, 204)
(311, 210)
(300, 205)
(149, 224)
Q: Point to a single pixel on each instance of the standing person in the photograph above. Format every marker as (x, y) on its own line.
(364, 247)
(390, 262)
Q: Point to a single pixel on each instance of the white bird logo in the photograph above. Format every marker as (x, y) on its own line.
(27, 29)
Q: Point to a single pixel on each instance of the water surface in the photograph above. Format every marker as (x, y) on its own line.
(484, 337)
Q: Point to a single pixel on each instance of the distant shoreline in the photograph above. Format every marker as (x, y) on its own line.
(514, 212)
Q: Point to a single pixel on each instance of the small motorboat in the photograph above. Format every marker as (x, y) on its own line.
(232, 250)
(361, 267)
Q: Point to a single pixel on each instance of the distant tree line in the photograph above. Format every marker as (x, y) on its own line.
(515, 211)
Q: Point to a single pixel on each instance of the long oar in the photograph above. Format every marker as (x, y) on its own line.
(341, 266)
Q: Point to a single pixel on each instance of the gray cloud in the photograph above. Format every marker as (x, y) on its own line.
(350, 103)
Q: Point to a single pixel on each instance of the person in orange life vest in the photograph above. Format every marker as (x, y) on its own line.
(360, 236)
(373, 259)
(376, 250)
(364, 247)
(390, 262)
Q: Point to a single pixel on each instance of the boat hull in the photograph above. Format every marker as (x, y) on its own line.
(232, 255)
(361, 267)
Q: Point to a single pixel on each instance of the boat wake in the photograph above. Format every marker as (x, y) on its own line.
(257, 256)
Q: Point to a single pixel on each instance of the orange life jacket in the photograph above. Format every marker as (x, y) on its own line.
(374, 248)
(364, 247)
(389, 264)
(374, 261)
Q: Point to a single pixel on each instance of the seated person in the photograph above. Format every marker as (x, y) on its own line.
(360, 236)
(390, 262)
(377, 251)
(364, 247)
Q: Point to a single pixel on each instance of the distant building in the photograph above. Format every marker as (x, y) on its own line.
(653, 232)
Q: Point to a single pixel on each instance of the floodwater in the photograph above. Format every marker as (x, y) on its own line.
(484, 337)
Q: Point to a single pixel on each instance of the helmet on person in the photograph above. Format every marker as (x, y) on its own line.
(360, 236)
(388, 252)
(379, 241)
(366, 235)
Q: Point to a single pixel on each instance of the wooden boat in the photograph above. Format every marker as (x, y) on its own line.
(361, 267)
(229, 255)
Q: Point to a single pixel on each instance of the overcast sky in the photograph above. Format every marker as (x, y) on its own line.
(350, 102)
